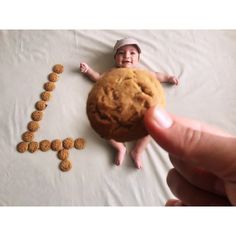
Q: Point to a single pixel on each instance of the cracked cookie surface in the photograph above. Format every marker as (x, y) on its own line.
(44, 145)
(22, 147)
(65, 165)
(117, 103)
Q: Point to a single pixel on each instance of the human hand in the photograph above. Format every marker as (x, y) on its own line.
(83, 67)
(173, 80)
(203, 157)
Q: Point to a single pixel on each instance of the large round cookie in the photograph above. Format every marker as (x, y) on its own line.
(117, 103)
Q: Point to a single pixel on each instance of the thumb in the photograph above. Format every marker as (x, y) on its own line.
(192, 141)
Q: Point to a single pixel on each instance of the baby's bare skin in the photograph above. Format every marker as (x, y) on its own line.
(128, 57)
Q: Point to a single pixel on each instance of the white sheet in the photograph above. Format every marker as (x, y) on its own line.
(205, 62)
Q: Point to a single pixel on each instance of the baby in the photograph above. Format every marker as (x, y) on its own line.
(127, 55)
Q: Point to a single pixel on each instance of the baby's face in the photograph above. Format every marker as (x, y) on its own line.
(127, 57)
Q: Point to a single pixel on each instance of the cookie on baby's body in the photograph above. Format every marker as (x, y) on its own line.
(118, 101)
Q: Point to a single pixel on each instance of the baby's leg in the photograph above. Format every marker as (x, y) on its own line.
(121, 150)
(138, 149)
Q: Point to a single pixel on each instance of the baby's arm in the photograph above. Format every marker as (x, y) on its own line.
(164, 78)
(89, 72)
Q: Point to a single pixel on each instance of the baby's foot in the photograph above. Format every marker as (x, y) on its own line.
(83, 67)
(120, 156)
(136, 158)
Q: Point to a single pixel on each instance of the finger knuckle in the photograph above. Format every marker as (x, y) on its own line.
(191, 141)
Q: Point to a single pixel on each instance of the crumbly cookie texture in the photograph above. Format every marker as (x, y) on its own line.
(61, 147)
(33, 126)
(40, 105)
(65, 165)
(53, 77)
(58, 68)
(56, 145)
(63, 154)
(68, 143)
(49, 86)
(22, 147)
(28, 136)
(79, 143)
(44, 145)
(33, 146)
(45, 96)
(37, 115)
(117, 103)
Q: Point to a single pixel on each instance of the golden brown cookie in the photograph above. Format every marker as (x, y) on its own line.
(44, 145)
(45, 96)
(49, 86)
(53, 77)
(79, 143)
(58, 68)
(65, 165)
(33, 126)
(37, 115)
(33, 146)
(56, 145)
(28, 136)
(22, 147)
(118, 101)
(68, 143)
(40, 105)
(63, 154)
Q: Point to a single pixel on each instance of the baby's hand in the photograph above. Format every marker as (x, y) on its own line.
(173, 80)
(83, 67)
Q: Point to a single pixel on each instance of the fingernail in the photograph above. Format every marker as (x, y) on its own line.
(162, 118)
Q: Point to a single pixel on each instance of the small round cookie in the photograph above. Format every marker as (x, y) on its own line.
(40, 105)
(44, 145)
(56, 145)
(45, 96)
(53, 77)
(58, 68)
(65, 165)
(63, 154)
(118, 101)
(28, 136)
(22, 147)
(68, 143)
(33, 146)
(79, 143)
(33, 126)
(37, 115)
(49, 86)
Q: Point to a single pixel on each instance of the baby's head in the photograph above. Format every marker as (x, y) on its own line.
(126, 53)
